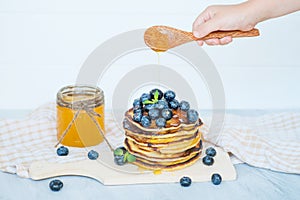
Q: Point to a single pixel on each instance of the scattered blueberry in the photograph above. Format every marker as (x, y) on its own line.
(145, 97)
(184, 106)
(119, 155)
(153, 113)
(210, 152)
(62, 151)
(148, 107)
(137, 116)
(56, 185)
(192, 115)
(185, 181)
(160, 122)
(93, 155)
(167, 114)
(137, 104)
(174, 104)
(169, 95)
(152, 94)
(161, 104)
(216, 179)
(146, 121)
(208, 160)
(119, 160)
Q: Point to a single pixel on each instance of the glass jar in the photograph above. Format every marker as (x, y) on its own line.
(76, 106)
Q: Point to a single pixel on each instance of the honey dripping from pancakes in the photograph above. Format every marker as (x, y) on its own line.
(157, 172)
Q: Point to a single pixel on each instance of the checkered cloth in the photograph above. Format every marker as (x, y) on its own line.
(25, 141)
(271, 141)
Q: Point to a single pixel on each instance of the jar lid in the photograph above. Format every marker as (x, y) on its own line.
(80, 96)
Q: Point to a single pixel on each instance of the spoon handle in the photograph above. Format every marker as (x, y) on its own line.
(234, 34)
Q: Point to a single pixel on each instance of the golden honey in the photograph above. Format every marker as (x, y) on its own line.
(75, 107)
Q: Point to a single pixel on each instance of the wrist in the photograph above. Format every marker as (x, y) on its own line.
(255, 11)
(262, 10)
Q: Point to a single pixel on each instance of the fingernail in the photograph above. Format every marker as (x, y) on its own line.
(196, 34)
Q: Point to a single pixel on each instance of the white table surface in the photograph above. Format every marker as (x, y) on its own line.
(251, 183)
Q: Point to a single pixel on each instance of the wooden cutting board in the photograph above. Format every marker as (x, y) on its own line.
(105, 171)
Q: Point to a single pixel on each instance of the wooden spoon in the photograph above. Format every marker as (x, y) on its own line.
(162, 38)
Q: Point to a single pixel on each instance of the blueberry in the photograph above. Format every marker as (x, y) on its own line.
(174, 104)
(160, 122)
(153, 113)
(93, 155)
(185, 181)
(137, 111)
(208, 160)
(62, 151)
(161, 104)
(192, 116)
(169, 95)
(137, 104)
(145, 97)
(184, 106)
(56, 185)
(167, 114)
(148, 107)
(137, 116)
(210, 152)
(152, 94)
(146, 121)
(119, 160)
(119, 155)
(200, 144)
(216, 179)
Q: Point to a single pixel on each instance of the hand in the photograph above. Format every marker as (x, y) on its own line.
(224, 18)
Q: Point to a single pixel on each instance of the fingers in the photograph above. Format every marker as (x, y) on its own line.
(200, 42)
(223, 18)
(216, 41)
(205, 23)
(225, 40)
(222, 41)
(203, 17)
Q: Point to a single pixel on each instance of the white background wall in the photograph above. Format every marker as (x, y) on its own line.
(44, 43)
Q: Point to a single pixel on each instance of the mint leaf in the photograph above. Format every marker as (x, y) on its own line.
(156, 94)
(148, 102)
(131, 158)
(125, 156)
(118, 152)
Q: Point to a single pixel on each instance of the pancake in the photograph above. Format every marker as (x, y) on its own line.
(170, 167)
(173, 147)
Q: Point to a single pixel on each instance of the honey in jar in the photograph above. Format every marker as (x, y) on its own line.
(76, 105)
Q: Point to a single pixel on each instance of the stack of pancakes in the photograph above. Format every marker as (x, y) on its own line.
(173, 147)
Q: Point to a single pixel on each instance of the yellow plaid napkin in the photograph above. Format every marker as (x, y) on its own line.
(25, 141)
(271, 141)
